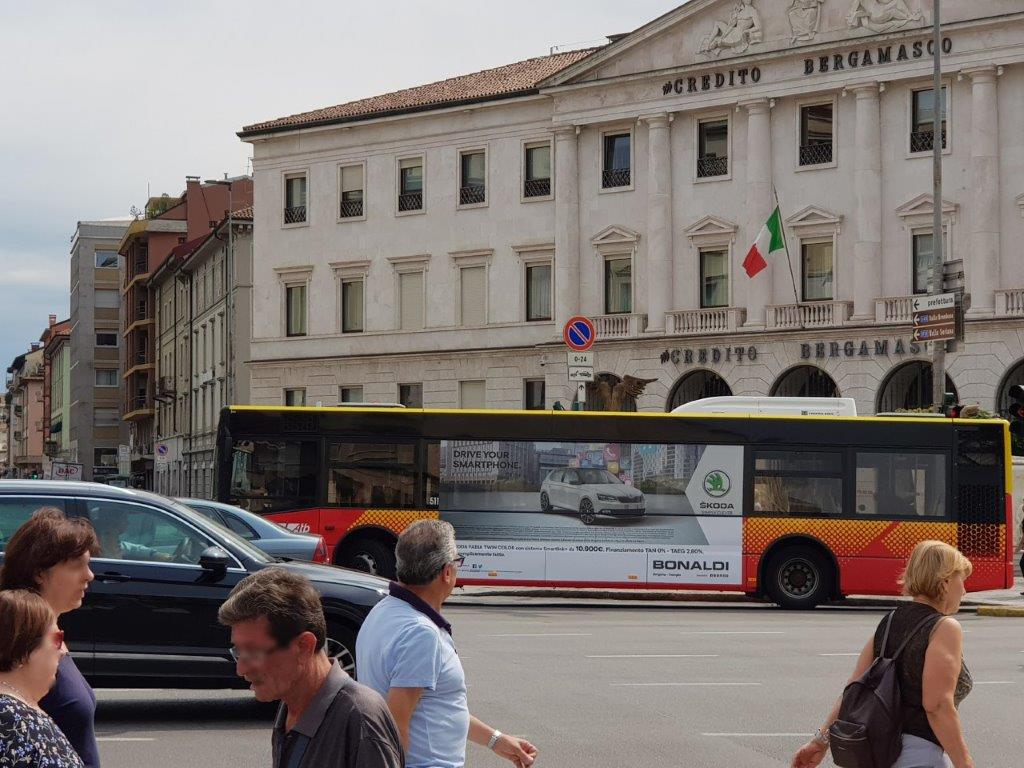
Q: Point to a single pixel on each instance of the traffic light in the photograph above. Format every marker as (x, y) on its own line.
(1015, 411)
(950, 407)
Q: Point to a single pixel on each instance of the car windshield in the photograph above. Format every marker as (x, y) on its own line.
(257, 555)
(598, 477)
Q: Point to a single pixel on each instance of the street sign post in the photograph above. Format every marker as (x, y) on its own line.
(66, 470)
(935, 317)
(579, 333)
(580, 358)
(124, 460)
(579, 373)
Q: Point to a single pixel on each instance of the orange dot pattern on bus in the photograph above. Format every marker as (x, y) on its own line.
(848, 538)
(394, 520)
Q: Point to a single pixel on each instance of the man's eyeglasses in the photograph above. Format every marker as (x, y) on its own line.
(458, 561)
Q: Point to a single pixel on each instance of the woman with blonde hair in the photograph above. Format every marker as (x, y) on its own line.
(933, 677)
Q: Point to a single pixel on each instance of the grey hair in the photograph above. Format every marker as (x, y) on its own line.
(289, 602)
(423, 550)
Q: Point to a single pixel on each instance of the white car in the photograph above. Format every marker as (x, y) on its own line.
(592, 493)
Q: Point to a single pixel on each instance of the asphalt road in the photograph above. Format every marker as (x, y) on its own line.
(615, 687)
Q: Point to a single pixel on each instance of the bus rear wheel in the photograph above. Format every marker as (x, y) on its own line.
(799, 578)
(370, 556)
(587, 512)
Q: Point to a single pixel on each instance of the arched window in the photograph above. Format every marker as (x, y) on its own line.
(805, 381)
(1014, 376)
(908, 387)
(697, 385)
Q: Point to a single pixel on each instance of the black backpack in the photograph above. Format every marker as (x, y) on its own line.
(869, 730)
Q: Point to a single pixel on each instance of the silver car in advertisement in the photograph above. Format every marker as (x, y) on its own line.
(591, 493)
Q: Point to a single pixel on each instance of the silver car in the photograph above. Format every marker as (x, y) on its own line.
(592, 493)
(274, 539)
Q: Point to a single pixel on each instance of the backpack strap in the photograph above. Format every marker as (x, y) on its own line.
(885, 636)
(911, 634)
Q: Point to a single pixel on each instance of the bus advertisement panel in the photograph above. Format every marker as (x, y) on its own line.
(595, 512)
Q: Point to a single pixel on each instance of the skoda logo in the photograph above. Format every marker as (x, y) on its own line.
(717, 483)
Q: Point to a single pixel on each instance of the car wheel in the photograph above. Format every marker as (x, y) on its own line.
(341, 646)
(799, 578)
(545, 502)
(587, 512)
(370, 556)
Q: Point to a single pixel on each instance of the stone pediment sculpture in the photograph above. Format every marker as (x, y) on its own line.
(602, 395)
(882, 15)
(736, 35)
(804, 19)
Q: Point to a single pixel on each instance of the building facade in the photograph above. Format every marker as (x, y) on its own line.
(25, 402)
(95, 429)
(428, 246)
(56, 342)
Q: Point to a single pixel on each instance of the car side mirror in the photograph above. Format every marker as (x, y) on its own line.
(214, 560)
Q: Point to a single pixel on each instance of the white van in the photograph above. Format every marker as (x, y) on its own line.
(773, 406)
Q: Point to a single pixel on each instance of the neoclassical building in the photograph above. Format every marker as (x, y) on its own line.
(427, 246)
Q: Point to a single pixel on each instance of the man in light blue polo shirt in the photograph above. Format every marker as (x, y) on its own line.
(405, 652)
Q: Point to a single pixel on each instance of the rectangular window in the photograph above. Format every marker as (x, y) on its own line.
(816, 259)
(714, 279)
(104, 457)
(104, 339)
(270, 475)
(473, 394)
(473, 295)
(352, 306)
(922, 128)
(295, 199)
(351, 395)
(537, 174)
(617, 161)
(924, 253)
(411, 300)
(371, 475)
(713, 148)
(798, 483)
(618, 286)
(533, 395)
(106, 259)
(410, 184)
(295, 310)
(107, 299)
(901, 484)
(295, 396)
(410, 395)
(472, 178)
(538, 292)
(106, 377)
(352, 192)
(105, 417)
(816, 134)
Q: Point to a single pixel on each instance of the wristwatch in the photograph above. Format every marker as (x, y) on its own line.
(494, 739)
(821, 737)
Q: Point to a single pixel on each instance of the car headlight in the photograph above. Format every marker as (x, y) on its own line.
(605, 497)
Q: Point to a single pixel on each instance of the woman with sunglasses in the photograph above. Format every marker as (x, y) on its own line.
(31, 647)
(49, 555)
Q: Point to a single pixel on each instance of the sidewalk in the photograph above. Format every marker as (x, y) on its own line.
(995, 602)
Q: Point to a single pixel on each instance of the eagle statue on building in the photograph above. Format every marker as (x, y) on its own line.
(603, 395)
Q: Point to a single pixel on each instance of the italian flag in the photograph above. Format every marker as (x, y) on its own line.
(768, 243)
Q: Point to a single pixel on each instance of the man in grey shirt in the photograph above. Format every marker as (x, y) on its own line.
(278, 640)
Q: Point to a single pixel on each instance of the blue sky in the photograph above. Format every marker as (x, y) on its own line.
(103, 101)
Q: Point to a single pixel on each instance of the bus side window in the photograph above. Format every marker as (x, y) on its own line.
(798, 483)
(901, 484)
(371, 474)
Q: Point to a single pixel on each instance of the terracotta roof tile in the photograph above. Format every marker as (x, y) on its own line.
(243, 214)
(511, 79)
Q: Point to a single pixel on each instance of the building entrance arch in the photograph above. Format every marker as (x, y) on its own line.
(696, 385)
(908, 387)
(805, 381)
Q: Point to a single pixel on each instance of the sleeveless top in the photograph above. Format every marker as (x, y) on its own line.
(910, 668)
(72, 705)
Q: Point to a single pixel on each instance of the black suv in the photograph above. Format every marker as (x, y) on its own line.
(149, 620)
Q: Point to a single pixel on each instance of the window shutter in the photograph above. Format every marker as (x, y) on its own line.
(412, 301)
(351, 178)
(474, 296)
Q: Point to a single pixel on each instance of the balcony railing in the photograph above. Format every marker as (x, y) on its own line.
(139, 267)
(697, 322)
(351, 209)
(139, 403)
(410, 201)
(1010, 303)
(140, 357)
(622, 326)
(615, 177)
(295, 214)
(537, 188)
(894, 309)
(472, 194)
(709, 167)
(816, 314)
(816, 154)
(924, 141)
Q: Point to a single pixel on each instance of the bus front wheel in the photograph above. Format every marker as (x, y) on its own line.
(798, 578)
(370, 556)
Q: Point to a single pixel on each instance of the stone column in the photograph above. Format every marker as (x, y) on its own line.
(760, 203)
(982, 262)
(567, 225)
(660, 277)
(867, 187)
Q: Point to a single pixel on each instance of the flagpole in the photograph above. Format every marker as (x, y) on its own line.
(789, 261)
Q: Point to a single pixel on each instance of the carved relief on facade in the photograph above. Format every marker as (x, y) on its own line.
(804, 19)
(882, 15)
(736, 35)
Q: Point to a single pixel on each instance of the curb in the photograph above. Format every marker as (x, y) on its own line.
(1001, 610)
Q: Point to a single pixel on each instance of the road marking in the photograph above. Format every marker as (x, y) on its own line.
(656, 656)
(679, 685)
(731, 735)
(839, 654)
(995, 682)
(733, 632)
(123, 738)
(543, 634)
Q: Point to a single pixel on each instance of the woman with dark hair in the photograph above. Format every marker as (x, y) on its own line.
(31, 647)
(49, 555)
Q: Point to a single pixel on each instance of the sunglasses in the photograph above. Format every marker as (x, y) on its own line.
(58, 639)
